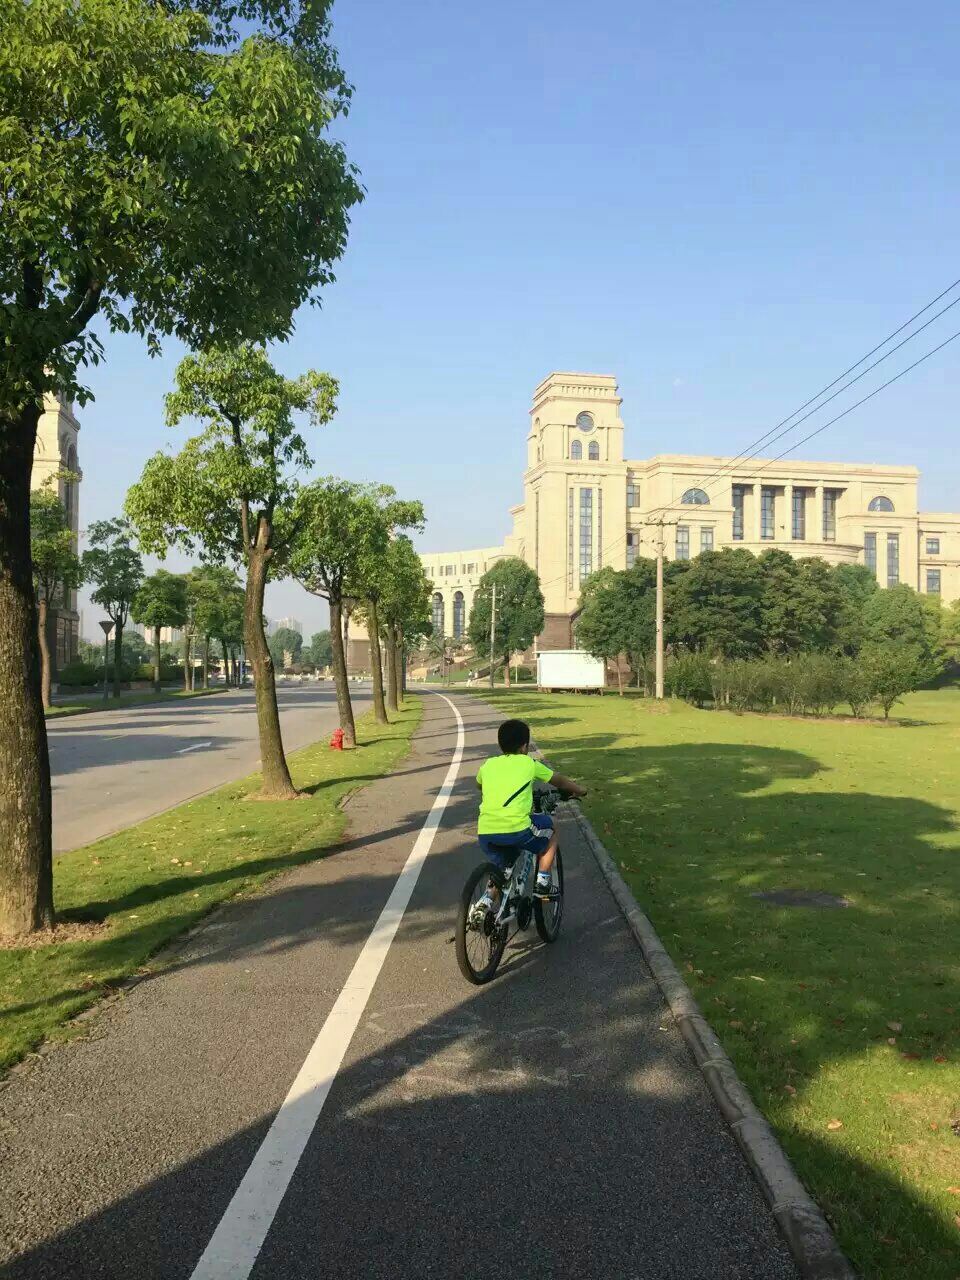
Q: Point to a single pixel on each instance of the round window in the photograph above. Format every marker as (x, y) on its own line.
(585, 421)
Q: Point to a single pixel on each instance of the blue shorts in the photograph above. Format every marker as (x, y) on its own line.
(502, 849)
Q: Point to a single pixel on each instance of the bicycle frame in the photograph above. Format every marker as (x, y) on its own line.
(517, 889)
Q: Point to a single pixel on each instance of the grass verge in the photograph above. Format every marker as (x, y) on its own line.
(844, 1023)
(153, 881)
(97, 702)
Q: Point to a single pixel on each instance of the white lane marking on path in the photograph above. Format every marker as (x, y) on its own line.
(240, 1234)
(196, 747)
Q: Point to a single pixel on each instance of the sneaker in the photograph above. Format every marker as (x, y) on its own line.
(544, 888)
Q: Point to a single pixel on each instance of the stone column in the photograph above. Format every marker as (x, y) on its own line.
(757, 505)
(818, 513)
(788, 500)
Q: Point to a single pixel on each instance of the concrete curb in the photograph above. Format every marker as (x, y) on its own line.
(800, 1219)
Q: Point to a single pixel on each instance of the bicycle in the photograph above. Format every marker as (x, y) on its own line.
(483, 930)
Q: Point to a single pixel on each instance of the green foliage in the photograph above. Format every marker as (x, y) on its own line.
(519, 615)
(285, 641)
(690, 677)
(599, 627)
(405, 600)
(893, 669)
(898, 617)
(56, 566)
(856, 584)
(79, 675)
(161, 600)
(114, 567)
(714, 606)
(167, 166)
(230, 489)
(319, 652)
(800, 603)
(339, 530)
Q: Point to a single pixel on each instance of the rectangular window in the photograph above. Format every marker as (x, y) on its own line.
(586, 533)
(933, 582)
(830, 514)
(451, 570)
(767, 513)
(633, 542)
(799, 526)
(870, 552)
(706, 539)
(933, 546)
(570, 540)
(536, 531)
(633, 494)
(599, 528)
(683, 542)
(738, 490)
(893, 559)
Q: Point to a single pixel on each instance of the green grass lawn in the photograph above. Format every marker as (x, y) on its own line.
(97, 702)
(153, 881)
(848, 1015)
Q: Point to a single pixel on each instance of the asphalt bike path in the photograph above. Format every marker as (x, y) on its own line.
(310, 1088)
(111, 769)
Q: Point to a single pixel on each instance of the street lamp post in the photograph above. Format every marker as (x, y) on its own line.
(107, 626)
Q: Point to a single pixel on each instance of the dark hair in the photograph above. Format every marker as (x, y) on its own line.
(513, 736)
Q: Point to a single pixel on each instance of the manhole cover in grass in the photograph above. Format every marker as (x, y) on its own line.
(801, 898)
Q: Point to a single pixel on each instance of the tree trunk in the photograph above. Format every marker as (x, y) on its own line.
(506, 671)
(186, 662)
(392, 687)
(156, 659)
(277, 783)
(376, 663)
(206, 662)
(619, 676)
(344, 705)
(44, 651)
(399, 658)
(26, 861)
(117, 658)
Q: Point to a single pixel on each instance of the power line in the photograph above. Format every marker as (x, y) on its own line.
(750, 451)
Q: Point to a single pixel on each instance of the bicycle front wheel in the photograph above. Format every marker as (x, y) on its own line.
(480, 943)
(549, 912)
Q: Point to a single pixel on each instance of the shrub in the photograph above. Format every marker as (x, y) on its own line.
(855, 685)
(892, 670)
(820, 681)
(79, 674)
(689, 677)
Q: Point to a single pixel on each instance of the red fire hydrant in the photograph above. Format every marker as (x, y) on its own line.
(336, 740)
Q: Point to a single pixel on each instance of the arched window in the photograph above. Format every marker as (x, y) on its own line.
(695, 498)
(458, 612)
(585, 421)
(437, 614)
(880, 503)
(576, 450)
(593, 453)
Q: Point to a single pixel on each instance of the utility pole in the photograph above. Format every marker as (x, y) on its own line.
(493, 628)
(659, 526)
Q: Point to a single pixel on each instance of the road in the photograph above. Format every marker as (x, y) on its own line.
(113, 768)
(551, 1123)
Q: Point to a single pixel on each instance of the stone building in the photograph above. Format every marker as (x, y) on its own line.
(585, 506)
(56, 451)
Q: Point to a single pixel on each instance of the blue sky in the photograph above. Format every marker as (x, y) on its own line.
(722, 204)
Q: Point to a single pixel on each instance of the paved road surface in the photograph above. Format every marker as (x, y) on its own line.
(548, 1124)
(113, 768)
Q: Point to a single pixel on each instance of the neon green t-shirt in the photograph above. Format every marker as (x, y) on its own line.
(507, 800)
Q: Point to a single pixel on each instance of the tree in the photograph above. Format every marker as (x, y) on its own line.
(856, 584)
(167, 166)
(161, 601)
(404, 609)
(56, 565)
(892, 669)
(600, 626)
(339, 528)
(212, 591)
(799, 604)
(114, 567)
(897, 617)
(231, 492)
(714, 604)
(371, 579)
(319, 652)
(440, 649)
(519, 610)
(285, 641)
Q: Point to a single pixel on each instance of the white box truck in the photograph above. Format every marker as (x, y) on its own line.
(570, 669)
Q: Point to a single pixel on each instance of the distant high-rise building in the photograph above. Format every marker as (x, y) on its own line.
(292, 624)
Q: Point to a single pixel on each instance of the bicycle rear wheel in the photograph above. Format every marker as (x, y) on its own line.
(549, 912)
(479, 944)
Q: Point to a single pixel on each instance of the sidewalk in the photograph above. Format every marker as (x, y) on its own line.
(550, 1123)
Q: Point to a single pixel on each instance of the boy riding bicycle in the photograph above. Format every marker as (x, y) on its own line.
(506, 825)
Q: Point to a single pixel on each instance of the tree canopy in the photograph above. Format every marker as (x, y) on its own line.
(519, 609)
